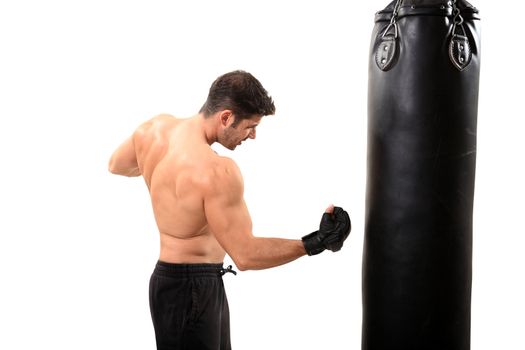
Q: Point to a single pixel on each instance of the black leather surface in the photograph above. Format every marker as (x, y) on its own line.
(422, 117)
(427, 7)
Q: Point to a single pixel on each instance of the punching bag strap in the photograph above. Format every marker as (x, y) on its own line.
(459, 48)
(386, 50)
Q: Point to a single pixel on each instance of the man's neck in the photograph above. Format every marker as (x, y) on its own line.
(206, 128)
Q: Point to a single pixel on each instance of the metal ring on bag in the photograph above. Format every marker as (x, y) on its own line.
(388, 28)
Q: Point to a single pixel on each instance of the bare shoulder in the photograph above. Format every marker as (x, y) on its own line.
(157, 121)
(225, 178)
(229, 167)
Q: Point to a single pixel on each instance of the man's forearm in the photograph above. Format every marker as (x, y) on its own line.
(264, 253)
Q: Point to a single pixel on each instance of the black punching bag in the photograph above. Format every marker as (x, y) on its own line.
(422, 114)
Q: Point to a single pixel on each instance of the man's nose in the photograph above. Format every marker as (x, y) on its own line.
(252, 134)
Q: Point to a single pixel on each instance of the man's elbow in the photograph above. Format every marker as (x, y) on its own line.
(242, 263)
(115, 169)
(111, 167)
(247, 255)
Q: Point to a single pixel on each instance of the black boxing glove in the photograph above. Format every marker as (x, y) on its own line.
(333, 230)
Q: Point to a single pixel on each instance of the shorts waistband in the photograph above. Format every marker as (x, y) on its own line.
(190, 270)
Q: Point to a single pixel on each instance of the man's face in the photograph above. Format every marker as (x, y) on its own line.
(234, 134)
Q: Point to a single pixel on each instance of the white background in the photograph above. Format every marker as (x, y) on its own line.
(77, 245)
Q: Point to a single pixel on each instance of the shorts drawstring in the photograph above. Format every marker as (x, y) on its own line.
(223, 270)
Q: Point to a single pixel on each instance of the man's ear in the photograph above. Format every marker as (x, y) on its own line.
(226, 117)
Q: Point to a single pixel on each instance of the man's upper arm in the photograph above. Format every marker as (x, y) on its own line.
(124, 160)
(226, 211)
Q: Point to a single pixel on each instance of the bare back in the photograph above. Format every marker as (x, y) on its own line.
(177, 166)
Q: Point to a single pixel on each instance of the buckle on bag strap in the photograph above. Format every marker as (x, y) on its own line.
(459, 48)
(387, 47)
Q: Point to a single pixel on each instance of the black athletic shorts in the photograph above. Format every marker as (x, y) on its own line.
(189, 307)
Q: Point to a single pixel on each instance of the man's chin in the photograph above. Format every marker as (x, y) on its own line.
(230, 146)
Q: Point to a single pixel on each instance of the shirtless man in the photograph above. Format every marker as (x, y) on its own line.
(197, 199)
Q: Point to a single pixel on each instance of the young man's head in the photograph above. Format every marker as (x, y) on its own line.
(239, 92)
(239, 100)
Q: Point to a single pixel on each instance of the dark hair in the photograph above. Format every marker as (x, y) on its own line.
(242, 93)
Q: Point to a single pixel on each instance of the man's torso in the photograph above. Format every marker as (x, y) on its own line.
(177, 167)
